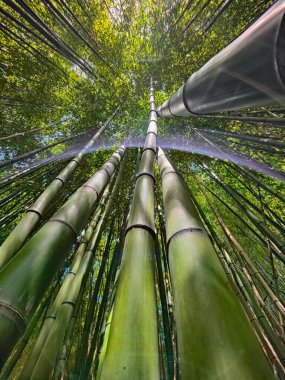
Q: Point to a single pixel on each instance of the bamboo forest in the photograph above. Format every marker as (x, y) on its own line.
(142, 189)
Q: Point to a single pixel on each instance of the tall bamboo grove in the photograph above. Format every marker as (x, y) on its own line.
(215, 339)
(26, 277)
(132, 347)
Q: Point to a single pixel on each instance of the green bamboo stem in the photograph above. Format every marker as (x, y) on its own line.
(253, 312)
(103, 312)
(104, 323)
(47, 359)
(132, 351)
(242, 252)
(259, 319)
(211, 325)
(18, 236)
(221, 248)
(25, 278)
(25, 338)
(104, 345)
(165, 318)
(243, 283)
(43, 360)
(62, 293)
(90, 314)
(61, 364)
(259, 223)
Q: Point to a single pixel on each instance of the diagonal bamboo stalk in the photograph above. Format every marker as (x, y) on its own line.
(69, 298)
(87, 349)
(63, 292)
(25, 278)
(211, 325)
(259, 223)
(276, 301)
(35, 213)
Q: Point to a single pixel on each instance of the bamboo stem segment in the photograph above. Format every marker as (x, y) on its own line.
(215, 339)
(132, 348)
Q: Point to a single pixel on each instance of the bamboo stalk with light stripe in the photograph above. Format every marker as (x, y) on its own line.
(25, 278)
(18, 236)
(215, 339)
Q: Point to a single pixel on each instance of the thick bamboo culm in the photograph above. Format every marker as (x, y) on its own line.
(242, 288)
(24, 280)
(243, 254)
(86, 350)
(247, 281)
(224, 346)
(12, 362)
(236, 77)
(41, 364)
(132, 349)
(43, 340)
(17, 237)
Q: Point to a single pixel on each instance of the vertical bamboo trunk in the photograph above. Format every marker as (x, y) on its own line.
(25, 278)
(215, 339)
(132, 349)
(34, 214)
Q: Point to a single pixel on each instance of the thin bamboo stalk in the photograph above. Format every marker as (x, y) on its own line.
(104, 345)
(25, 278)
(255, 315)
(35, 213)
(261, 183)
(132, 350)
(276, 301)
(60, 368)
(259, 223)
(165, 317)
(211, 325)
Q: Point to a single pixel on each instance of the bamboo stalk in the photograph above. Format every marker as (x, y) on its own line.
(25, 278)
(85, 348)
(90, 314)
(105, 344)
(278, 304)
(35, 213)
(211, 325)
(243, 283)
(255, 316)
(259, 223)
(132, 350)
(25, 338)
(62, 294)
